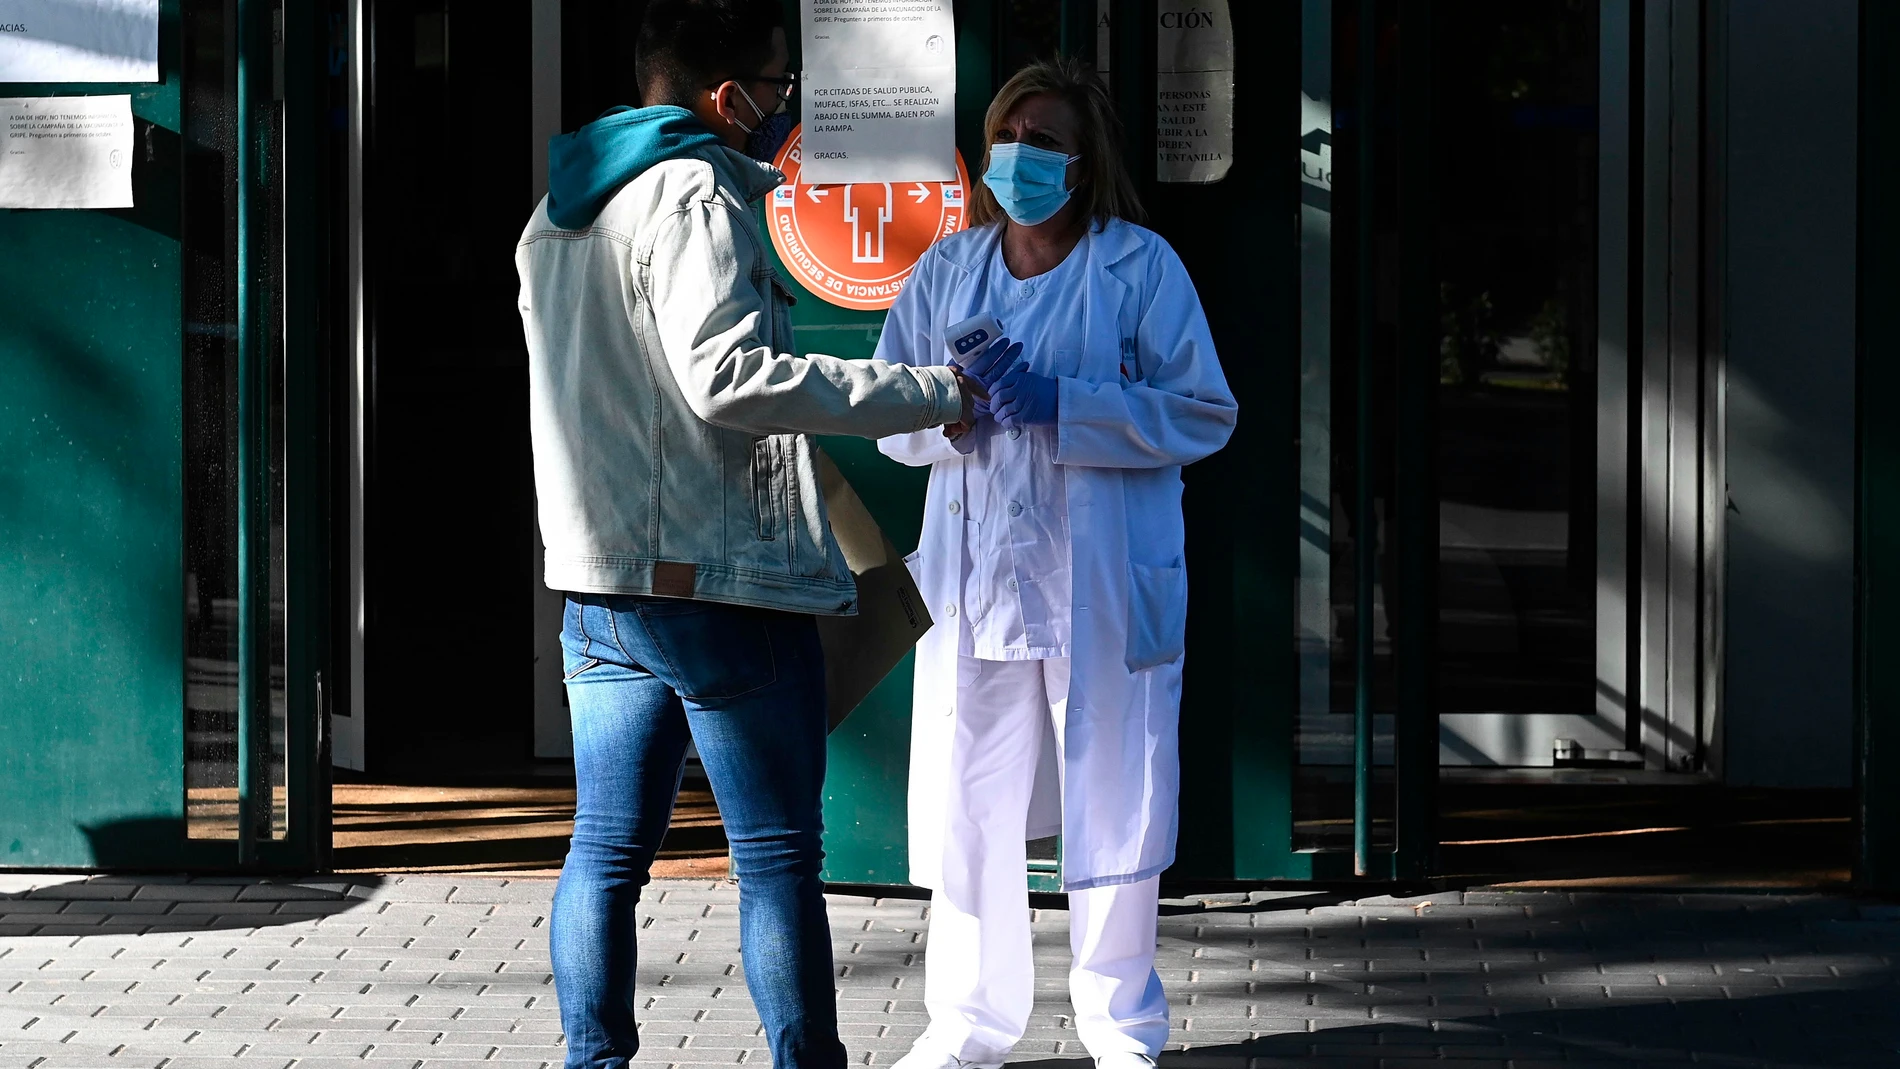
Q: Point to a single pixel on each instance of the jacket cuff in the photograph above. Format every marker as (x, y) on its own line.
(944, 402)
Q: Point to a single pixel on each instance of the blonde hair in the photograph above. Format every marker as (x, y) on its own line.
(1105, 191)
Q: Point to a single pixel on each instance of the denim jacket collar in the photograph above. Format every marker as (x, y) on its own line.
(753, 177)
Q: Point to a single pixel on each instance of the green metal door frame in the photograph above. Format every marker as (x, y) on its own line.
(1877, 548)
(304, 51)
(280, 54)
(280, 46)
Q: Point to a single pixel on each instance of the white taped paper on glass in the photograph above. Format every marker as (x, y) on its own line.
(1194, 87)
(66, 152)
(78, 40)
(878, 93)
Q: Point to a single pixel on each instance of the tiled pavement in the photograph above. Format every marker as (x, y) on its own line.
(452, 971)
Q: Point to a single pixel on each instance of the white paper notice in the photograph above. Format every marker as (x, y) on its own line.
(78, 40)
(1194, 87)
(66, 152)
(879, 91)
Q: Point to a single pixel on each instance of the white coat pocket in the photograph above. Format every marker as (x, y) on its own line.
(1157, 615)
(915, 562)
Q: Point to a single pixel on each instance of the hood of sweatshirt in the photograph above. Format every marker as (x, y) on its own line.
(587, 167)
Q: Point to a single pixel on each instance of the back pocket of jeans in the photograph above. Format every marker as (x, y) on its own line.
(710, 651)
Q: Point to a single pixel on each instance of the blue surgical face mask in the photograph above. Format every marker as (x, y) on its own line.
(1031, 184)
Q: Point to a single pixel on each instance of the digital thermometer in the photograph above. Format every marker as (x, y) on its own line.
(972, 336)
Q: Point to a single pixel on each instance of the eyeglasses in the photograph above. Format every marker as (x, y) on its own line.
(784, 86)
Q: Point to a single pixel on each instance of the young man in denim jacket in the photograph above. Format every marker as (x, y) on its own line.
(682, 515)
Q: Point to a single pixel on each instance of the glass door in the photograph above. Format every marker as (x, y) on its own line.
(1507, 541)
(256, 78)
(1503, 532)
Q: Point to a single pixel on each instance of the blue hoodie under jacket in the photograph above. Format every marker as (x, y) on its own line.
(587, 167)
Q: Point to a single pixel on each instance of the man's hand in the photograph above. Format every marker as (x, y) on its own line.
(973, 397)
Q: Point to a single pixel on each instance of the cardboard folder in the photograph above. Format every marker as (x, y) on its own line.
(861, 650)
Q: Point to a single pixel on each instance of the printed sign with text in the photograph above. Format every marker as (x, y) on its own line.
(78, 40)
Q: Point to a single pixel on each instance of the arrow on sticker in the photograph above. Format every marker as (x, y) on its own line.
(921, 193)
(814, 193)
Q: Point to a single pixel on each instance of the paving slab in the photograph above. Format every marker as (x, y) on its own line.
(426, 971)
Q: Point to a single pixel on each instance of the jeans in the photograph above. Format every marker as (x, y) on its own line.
(747, 686)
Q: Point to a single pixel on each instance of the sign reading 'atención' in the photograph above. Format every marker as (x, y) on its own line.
(1194, 88)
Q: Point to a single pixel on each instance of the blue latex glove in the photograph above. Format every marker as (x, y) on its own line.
(1021, 396)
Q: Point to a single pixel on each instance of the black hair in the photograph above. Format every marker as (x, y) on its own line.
(687, 45)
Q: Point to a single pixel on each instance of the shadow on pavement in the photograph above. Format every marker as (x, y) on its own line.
(42, 905)
(1824, 1028)
(1501, 979)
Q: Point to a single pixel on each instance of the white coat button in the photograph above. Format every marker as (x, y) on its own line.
(1015, 433)
(1029, 290)
(955, 508)
(1012, 583)
(1015, 508)
(950, 610)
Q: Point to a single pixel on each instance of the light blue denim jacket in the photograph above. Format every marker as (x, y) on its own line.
(668, 416)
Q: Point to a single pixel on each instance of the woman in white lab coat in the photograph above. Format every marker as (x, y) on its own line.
(1048, 693)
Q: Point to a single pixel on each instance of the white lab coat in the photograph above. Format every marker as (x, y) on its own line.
(1148, 397)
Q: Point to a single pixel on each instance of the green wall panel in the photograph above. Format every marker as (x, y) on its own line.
(91, 522)
(91, 515)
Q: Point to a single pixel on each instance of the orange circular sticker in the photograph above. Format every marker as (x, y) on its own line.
(854, 246)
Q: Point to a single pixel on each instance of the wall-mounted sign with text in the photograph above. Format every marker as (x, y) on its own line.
(66, 152)
(855, 245)
(878, 93)
(1194, 87)
(78, 41)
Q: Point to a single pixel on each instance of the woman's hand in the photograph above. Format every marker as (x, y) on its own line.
(1021, 396)
(990, 364)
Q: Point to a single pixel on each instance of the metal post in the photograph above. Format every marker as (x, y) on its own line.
(1365, 528)
(1415, 484)
(1877, 549)
(253, 519)
(346, 730)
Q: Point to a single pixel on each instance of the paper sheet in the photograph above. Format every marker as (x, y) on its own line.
(1194, 87)
(879, 91)
(78, 40)
(66, 152)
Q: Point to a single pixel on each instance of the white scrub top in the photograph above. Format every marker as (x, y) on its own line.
(1017, 591)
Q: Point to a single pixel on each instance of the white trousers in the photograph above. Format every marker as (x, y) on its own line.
(979, 970)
